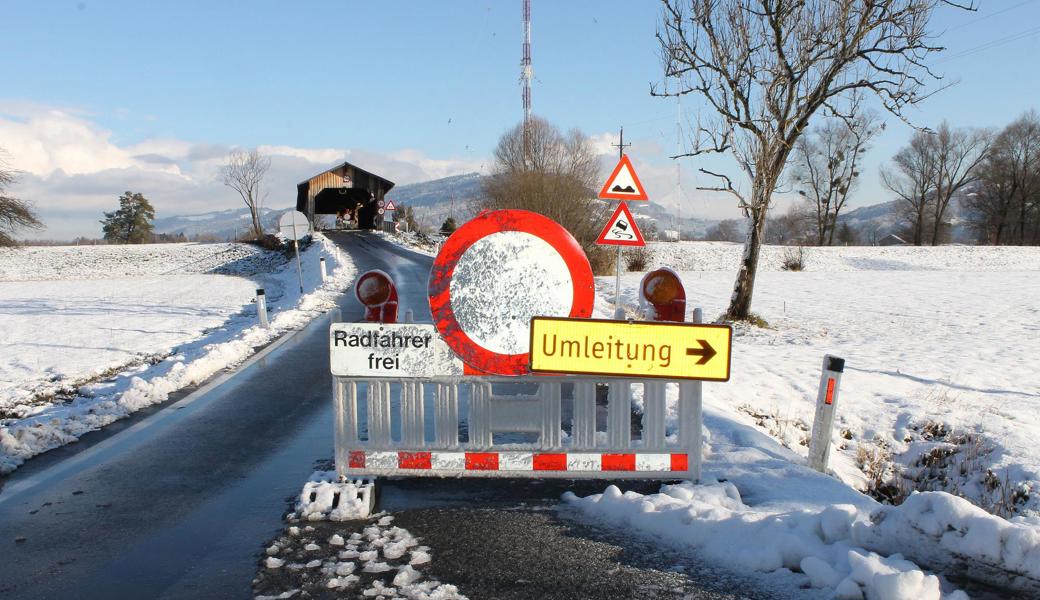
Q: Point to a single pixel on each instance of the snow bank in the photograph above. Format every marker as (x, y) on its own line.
(96, 405)
(712, 520)
(950, 533)
(41, 263)
(725, 256)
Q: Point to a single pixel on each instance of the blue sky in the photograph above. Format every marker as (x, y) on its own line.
(434, 83)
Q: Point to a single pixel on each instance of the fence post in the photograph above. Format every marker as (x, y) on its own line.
(823, 423)
(324, 272)
(691, 416)
(261, 308)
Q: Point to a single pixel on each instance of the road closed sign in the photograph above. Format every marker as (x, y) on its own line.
(630, 349)
(390, 350)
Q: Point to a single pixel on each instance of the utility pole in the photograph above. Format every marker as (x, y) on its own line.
(619, 312)
(526, 74)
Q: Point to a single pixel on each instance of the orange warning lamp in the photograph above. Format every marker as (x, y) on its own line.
(663, 291)
(376, 290)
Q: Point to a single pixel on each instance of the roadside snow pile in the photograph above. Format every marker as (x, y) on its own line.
(712, 520)
(951, 533)
(365, 559)
(421, 243)
(194, 343)
(726, 256)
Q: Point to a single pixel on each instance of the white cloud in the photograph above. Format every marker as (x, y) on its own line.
(73, 169)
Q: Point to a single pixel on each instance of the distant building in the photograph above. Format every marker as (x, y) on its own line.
(892, 240)
(345, 190)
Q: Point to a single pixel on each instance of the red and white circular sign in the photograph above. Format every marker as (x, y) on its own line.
(494, 274)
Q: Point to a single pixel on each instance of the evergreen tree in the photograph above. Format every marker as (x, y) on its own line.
(449, 226)
(132, 223)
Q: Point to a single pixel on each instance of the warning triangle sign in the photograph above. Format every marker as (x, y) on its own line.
(389, 205)
(623, 183)
(621, 229)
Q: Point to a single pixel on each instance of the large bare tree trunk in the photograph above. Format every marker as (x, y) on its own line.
(744, 286)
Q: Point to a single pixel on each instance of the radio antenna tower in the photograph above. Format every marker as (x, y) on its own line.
(526, 74)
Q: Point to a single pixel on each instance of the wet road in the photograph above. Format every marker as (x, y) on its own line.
(179, 502)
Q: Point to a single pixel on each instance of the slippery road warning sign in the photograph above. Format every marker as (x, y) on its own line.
(630, 349)
(390, 350)
(623, 183)
(621, 229)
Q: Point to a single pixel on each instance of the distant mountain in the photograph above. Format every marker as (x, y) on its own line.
(433, 201)
(224, 224)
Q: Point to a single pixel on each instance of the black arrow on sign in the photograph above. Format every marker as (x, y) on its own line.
(706, 352)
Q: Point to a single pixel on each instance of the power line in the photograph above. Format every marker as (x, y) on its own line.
(991, 44)
(983, 18)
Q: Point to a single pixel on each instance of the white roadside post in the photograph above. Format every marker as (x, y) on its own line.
(261, 308)
(324, 271)
(823, 423)
(692, 404)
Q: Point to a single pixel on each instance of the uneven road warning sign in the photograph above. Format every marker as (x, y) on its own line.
(621, 229)
(623, 183)
(390, 205)
(630, 349)
(390, 350)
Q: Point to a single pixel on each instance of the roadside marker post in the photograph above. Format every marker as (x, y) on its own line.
(261, 308)
(324, 271)
(823, 422)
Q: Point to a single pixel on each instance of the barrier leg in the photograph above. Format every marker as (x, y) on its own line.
(552, 418)
(583, 426)
(379, 414)
(346, 433)
(480, 416)
(412, 415)
(619, 415)
(653, 414)
(446, 415)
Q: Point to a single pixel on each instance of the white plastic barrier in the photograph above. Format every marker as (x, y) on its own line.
(413, 427)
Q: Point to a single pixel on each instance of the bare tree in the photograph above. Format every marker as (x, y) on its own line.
(826, 167)
(958, 154)
(554, 174)
(244, 172)
(766, 67)
(913, 182)
(727, 230)
(1005, 205)
(15, 213)
(794, 226)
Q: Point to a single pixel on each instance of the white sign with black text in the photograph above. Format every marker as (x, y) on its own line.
(401, 350)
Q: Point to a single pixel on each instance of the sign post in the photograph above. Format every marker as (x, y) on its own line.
(623, 184)
(294, 226)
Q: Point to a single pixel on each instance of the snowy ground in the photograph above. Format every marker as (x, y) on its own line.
(939, 393)
(91, 334)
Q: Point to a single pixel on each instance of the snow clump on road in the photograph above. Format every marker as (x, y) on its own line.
(379, 561)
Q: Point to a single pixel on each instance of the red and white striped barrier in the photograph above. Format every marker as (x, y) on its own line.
(562, 464)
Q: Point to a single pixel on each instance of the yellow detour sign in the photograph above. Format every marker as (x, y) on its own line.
(630, 349)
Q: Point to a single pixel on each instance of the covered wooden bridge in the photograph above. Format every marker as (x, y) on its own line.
(345, 190)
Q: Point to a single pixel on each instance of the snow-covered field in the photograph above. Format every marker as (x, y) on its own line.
(91, 334)
(939, 393)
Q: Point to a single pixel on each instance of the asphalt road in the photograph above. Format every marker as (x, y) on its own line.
(179, 502)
